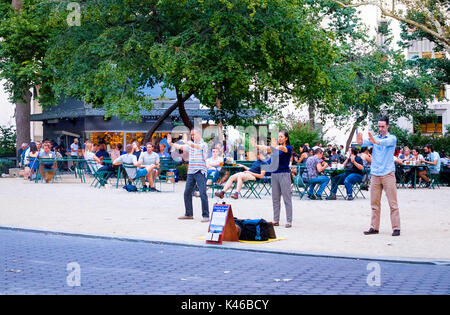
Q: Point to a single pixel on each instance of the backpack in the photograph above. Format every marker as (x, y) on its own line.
(130, 188)
(253, 230)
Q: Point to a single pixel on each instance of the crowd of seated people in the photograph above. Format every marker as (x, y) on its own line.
(227, 151)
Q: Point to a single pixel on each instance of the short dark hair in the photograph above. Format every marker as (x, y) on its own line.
(385, 119)
(430, 146)
(129, 148)
(318, 150)
(364, 149)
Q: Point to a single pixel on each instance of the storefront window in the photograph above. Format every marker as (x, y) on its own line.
(108, 138)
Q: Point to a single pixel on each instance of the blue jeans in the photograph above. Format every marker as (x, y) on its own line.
(348, 180)
(199, 180)
(214, 173)
(321, 180)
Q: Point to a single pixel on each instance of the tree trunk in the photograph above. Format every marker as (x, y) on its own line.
(184, 116)
(350, 137)
(166, 114)
(17, 5)
(23, 107)
(22, 115)
(311, 112)
(352, 132)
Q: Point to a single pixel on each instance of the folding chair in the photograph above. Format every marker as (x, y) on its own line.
(44, 162)
(213, 186)
(139, 181)
(251, 187)
(167, 165)
(100, 177)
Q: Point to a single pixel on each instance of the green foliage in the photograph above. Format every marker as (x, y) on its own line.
(182, 171)
(301, 133)
(5, 165)
(7, 141)
(373, 79)
(23, 45)
(234, 50)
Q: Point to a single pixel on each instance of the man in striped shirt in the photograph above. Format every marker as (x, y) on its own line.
(198, 153)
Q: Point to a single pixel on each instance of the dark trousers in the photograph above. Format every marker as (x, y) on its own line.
(192, 180)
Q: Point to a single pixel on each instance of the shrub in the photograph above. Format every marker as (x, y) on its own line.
(301, 133)
(182, 171)
(7, 141)
(5, 165)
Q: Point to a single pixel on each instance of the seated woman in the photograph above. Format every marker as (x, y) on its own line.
(250, 174)
(353, 174)
(33, 163)
(95, 163)
(299, 159)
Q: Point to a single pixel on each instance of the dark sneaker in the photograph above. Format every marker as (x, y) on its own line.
(350, 198)
(319, 197)
(220, 194)
(235, 196)
(396, 233)
(153, 189)
(428, 184)
(145, 188)
(371, 231)
(312, 197)
(331, 197)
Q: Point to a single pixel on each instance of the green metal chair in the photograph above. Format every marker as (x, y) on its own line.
(166, 165)
(100, 178)
(45, 162)
(139, 181)
(213, 186)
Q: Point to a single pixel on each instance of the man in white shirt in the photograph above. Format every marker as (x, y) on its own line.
(150, 160)
(130, 159)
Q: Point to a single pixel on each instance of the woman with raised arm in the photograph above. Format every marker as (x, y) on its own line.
(281, 154)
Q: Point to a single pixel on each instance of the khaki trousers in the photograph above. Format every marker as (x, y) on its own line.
(389, 185)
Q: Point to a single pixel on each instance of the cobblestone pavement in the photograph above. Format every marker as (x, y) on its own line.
(40, 263)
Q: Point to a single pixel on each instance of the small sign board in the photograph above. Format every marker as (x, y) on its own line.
(221, 227)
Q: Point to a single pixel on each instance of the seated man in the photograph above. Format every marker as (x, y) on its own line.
(249, 174)
(131, 159)
(315, 165)
(47, 154)
(162, 151)
(353, 174)
(151, 159)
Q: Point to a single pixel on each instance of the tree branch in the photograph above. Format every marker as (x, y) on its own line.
(442, 39)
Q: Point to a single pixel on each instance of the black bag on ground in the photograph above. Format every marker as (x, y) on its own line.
(253, 230)
(130, 188)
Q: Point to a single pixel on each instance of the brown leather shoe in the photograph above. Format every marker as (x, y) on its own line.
(220, 194)
(276, 223)
(288, 225)
(186, 217)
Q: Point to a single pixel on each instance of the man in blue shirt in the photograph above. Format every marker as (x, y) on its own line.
(382, 175)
